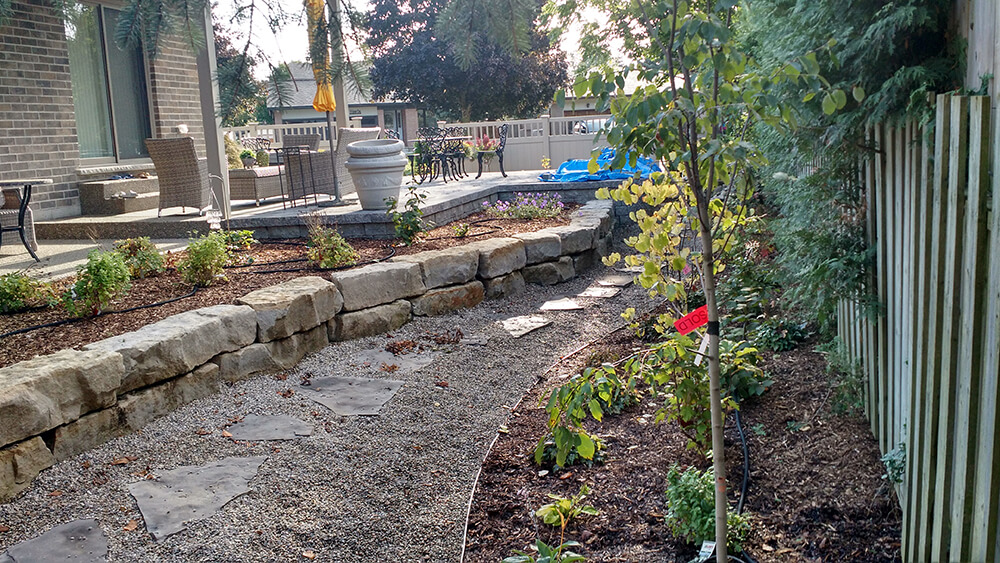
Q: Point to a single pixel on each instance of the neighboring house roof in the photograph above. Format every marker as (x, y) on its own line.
(301, 91)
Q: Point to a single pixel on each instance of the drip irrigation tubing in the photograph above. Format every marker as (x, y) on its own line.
(101, 314)
(489, 232)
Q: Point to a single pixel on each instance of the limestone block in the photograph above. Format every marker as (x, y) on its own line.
(88, 432)
(142, 407)
(377, 284)
(369, 322)
(499, 256)
(504, 286)
(540, 246)
(550, 273)
(48, 391)
(585, 261)
(445, 267)
(287, 352)
(447, 299)
(293, 306)
(21, 463)
(241, 364)
(603, 247)
(602, 210)
(575, 238)
(178, 344)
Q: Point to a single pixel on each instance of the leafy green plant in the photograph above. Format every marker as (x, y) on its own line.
(526, 206)
(104, 278)
(895, 464)
(778, 334)
(691, 508)
(564, 510)
(571, 443)
(548, 554)
(206, 259)
(18, 292)
(263, 158)
(232, 153)
(741, 378)
(238, 240)
(593, 392)
(247, 153)
(758, 429)
(461, 230)
(326, 248)
(409, 224)
(141, 256)
(846, 377)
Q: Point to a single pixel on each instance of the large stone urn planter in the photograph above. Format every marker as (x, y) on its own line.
(376, 166)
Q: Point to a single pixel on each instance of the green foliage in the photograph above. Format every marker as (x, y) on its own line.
(141, 256)
(263, 158)
(18, 292)
(236, 241)
(415, 60)
(241, 98)
(232, 153)
(104, 278)
(548, 554)
(461, 230)
(564, 510)
(691, 508)
(526, 206)
(592, 393)
(326, 248)
(741, 378)
(847, 378)
(205, 261)
(409, 224)
(895, 464)
(779, 335)
(247, 153)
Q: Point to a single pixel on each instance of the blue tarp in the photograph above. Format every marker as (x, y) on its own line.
(576, 170)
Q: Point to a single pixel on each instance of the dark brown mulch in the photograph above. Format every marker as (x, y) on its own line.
(241, 281)
(816, 491)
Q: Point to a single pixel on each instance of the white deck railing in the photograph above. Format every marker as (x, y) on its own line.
(276, 132)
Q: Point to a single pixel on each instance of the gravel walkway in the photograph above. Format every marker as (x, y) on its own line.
(393, 487)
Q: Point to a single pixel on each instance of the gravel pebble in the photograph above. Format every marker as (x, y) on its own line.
(393, 487)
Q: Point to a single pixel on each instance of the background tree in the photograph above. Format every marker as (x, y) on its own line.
(241, 98)
(413, 60)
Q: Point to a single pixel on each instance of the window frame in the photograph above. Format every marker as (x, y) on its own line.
(147, 84)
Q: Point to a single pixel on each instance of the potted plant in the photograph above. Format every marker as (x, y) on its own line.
(376, 167)
(248, 158)
(263, 158)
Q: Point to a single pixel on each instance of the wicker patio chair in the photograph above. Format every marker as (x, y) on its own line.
(182, 176)
(309, 140)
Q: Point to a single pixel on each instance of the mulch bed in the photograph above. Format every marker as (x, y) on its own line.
(264, 257)
(816, 491)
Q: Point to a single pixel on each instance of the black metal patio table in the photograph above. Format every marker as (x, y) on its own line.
(24, 198)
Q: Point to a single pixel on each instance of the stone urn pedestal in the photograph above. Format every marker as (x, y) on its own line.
(376, 167)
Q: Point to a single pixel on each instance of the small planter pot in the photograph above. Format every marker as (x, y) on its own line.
(249, 162)
(376, 167)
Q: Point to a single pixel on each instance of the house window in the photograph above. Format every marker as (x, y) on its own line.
(111, 101)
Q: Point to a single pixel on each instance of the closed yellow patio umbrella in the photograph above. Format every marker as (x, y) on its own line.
(319, 51)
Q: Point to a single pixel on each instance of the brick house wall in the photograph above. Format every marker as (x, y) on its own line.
(38, 136)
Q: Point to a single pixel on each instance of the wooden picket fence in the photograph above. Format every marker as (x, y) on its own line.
(932, 357)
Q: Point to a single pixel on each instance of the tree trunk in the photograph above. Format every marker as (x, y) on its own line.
(714, 376)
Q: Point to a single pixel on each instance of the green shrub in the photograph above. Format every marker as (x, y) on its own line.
(18, 292)
(740, 377)
(778, 334)
(328, 249)
(205, 260)
(263, 158)
(104, 278)
(141, 256)
(409, 223)
(691, 508)
(232, 153)
(238, 240)
(548, 554)
(561, 512)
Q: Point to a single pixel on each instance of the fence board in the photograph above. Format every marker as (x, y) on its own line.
(881, 268)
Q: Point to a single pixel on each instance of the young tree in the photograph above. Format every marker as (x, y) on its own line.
(703, 95)
(415, 60)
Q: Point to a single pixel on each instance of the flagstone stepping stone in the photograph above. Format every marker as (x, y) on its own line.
(564, 304)
(519, 326)
(630, 269)
(616, 281)
(278, 427)
(600, 292)
(475, 340)
(349, 396)
(193, 492)
(81, 541)
(405, 363)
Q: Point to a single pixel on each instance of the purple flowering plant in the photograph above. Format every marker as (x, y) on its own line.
(526, 206)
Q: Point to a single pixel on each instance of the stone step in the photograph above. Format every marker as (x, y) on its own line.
(118, 206)
(97, 196)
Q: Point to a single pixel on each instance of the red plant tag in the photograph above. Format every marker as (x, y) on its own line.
(692, 320)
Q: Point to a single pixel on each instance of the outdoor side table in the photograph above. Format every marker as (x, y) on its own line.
(24, 195)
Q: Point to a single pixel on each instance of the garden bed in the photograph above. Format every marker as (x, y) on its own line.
(816, 491)
(265, 257)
